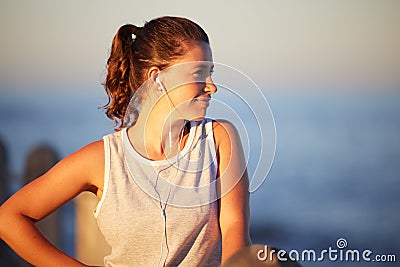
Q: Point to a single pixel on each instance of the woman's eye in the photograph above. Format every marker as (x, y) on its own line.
(202, 74)
(198, 74)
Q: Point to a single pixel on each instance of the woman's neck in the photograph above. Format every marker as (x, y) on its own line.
(157, 137)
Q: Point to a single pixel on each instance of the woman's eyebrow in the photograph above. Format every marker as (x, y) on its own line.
(205, 66)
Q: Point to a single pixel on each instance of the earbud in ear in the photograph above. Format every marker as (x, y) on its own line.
(160, 85)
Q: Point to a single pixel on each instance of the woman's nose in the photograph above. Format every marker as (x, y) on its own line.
(210, 88)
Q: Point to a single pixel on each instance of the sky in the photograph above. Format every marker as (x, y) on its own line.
(280, 44)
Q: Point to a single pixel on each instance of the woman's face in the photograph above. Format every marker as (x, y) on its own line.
(189, 84)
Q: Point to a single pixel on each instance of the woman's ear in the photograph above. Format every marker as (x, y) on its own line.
(152, 73)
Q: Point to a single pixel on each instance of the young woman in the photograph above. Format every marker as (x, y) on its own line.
(172, 184)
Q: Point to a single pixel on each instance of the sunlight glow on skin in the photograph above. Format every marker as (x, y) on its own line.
(189, 89)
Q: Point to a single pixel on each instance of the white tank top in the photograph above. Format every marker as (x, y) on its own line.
(155, 213)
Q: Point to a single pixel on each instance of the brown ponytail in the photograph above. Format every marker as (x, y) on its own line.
(157, 43)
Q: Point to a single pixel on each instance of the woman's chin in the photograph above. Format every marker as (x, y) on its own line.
(197, 117)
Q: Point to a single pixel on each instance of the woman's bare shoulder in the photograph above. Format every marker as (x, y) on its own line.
(91, 158)
(224, 131)
(86, 165)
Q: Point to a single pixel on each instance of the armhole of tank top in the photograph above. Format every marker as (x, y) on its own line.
(210, 136)
(106, 175)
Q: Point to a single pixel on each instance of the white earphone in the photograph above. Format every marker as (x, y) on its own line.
(162, 88)
(163, 209)
(160, 85)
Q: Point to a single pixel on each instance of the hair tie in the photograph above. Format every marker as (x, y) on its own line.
(127, 31)
(136, 30)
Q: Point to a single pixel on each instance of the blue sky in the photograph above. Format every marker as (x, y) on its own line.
(282, 45)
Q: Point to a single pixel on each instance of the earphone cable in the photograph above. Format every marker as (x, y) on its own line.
(163, 209)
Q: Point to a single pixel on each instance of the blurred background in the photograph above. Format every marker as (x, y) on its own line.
(330, 71)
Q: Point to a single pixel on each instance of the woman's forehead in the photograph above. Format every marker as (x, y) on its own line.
(189, 66)
(198, 52)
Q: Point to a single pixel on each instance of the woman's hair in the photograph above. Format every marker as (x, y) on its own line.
(156, 44)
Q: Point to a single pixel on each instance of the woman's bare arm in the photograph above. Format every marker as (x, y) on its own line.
(81, 171)
(234, 204)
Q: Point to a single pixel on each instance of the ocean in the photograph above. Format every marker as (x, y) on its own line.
(336, 172)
